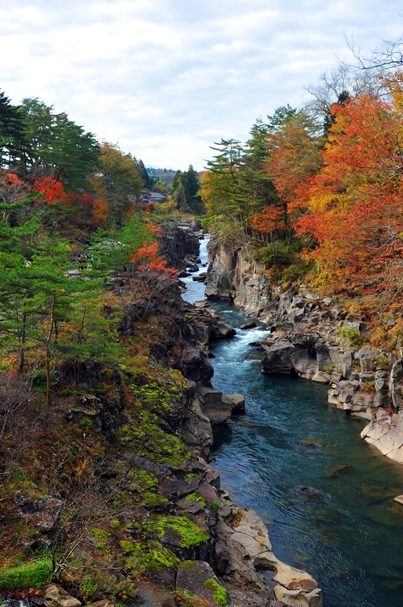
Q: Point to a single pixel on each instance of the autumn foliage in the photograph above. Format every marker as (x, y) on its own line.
(148, 260)
(52, 190)
(271, 218)
(353, 205)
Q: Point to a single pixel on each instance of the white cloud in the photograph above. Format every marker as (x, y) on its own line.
(166, 78)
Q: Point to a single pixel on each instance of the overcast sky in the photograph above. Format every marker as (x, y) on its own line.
(167, 78)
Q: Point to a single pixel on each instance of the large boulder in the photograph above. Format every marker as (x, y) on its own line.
(195, 366)
(221, 330)
(213, 406)
(55, 596)
(278, 358)
(236, 402)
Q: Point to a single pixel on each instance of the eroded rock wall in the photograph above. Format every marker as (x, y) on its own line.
(234, 275)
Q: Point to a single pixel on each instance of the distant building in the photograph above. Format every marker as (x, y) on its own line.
(147, 197)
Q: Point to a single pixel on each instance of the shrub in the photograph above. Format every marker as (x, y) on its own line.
(352, 335)
(382, 361)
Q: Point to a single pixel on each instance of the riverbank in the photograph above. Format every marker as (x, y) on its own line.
(316, 339)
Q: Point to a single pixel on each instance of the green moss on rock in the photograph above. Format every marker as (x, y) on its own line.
(187, 565)
(31, 575)
(220, 594)
(197, 497)
(189, 533)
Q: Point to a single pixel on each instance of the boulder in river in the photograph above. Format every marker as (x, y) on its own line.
(213, 406)
(235, 401)
(221, 330)
(248, 325)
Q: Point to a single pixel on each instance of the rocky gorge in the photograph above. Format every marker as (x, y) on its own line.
(243, 546)
(315, 339)
(202, 549)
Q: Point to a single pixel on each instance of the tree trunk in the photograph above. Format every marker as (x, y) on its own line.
(47, 365)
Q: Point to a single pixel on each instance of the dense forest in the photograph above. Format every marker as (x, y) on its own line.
(317, 191)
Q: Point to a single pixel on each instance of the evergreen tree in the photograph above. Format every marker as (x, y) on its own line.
(284, 114)
(59, 147)
(191, 183)
(146, 179)
(176, 182)
(181, 200)
(13, 141)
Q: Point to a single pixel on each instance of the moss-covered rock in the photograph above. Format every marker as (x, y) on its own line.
(198, 578)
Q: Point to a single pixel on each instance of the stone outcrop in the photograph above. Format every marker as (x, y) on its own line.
(300, 353)
(234, 275)
(180, 243)
(385, 432)
(206, 325)
(242, 533)
(218, 408)
(213, 406)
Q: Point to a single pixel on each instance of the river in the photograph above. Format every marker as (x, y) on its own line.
(325, 495)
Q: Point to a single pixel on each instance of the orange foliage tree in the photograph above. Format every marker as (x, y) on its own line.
(294, 157)
(150, 262)
(52, 190)
(353, 205)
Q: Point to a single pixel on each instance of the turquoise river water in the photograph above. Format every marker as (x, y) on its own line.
(325, 495)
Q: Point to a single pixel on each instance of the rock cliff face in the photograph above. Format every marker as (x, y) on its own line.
(234, 275)
(180, 243)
